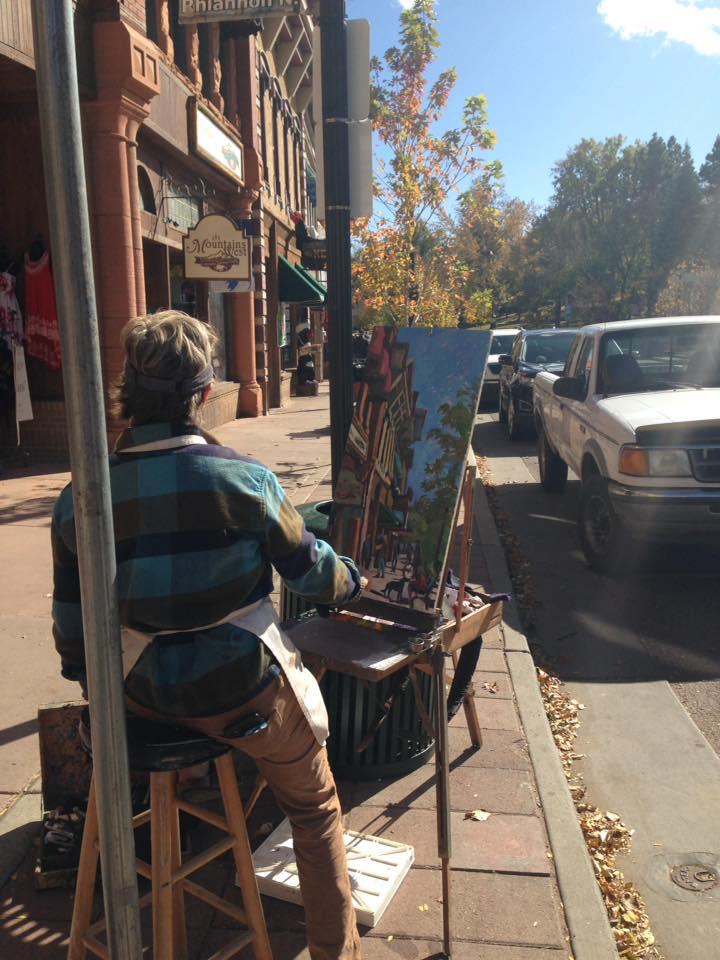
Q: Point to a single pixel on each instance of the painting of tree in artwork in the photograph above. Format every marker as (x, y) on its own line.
(399, 483)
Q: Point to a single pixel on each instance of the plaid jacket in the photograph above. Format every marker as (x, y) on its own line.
(198, 529)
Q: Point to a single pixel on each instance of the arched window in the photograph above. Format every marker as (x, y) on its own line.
(147, 194)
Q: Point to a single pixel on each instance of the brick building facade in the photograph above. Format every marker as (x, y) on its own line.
(165, 109)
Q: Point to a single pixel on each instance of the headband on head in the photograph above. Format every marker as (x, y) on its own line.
(186, 388)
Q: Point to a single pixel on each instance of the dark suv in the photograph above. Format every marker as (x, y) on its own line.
(533, 351)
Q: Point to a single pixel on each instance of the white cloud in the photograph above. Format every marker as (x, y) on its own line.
(406, 3)
(693, 22)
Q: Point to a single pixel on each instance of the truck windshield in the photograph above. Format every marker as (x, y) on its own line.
(548, 347)
(660, 358)
(502, 343)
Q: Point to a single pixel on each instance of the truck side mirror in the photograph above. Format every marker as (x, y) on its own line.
(505, 359)
(570, 388)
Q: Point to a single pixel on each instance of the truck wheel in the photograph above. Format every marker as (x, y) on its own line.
(502, 412)
(514, 425)
(602, 536)
(553, 469)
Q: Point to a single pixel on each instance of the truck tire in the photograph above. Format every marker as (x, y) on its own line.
(514, 424)
(553, 469)
(602, 536)
(502, 412)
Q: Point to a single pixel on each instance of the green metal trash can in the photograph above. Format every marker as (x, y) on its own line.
(401, 744)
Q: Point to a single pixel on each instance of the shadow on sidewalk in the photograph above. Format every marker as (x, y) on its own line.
(28, 510)
(310, 434)
(32, 925)
(19, 731)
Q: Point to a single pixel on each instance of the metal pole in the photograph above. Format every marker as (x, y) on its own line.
(442, 790)
(59, 105)
(337, 223)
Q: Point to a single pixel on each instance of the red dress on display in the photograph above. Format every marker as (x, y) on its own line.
(41, 323)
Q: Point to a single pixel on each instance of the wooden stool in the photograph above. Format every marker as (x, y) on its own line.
(161, 751)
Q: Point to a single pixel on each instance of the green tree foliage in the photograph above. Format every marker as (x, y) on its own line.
(488, 233)
(621, 218)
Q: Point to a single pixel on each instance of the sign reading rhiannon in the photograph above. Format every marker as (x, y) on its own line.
(217, 250)
(205, 11)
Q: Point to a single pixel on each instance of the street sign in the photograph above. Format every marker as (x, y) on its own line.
(214, 11)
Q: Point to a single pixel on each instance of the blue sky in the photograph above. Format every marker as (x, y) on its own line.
(555, 71)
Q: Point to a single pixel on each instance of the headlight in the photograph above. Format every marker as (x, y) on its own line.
(660, 462)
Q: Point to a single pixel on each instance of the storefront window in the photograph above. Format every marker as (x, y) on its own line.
(184, 294)
(177, 32)
(151, 20)
(311, 181)
(182, 212)
(217, 319)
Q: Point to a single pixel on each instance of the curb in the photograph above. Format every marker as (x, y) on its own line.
(590, 933)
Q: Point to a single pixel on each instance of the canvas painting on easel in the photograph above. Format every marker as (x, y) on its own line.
(401, 475)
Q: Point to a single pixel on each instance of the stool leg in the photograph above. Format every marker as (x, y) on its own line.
(179, 930)
(243, 855)
(86, 877)
(162, 814)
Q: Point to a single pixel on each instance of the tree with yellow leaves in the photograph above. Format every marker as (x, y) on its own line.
(406, 266)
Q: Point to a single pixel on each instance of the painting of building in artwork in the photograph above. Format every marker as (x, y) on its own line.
(399, 484)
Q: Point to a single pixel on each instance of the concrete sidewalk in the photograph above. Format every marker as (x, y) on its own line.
(506, 902)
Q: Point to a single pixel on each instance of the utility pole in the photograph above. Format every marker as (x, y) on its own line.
(337, 223)
(62, 149)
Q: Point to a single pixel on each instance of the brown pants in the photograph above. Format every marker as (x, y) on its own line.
(296, 768)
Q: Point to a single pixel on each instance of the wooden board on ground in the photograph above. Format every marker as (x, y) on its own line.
(376, 866)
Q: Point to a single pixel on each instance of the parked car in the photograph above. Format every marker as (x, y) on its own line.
(501, 342)
(637, 417)
(532, 351)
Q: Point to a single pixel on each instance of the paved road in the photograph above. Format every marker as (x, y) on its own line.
(643, 654)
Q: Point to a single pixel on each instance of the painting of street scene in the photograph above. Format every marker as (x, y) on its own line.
(399, 484)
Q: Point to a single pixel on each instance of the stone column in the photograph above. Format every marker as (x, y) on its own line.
(216, 97)
(113, 244)
(242, 320)
(133, 125)
(192, 47)
(127, 76)
(162, 26)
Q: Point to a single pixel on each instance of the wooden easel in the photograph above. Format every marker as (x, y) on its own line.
(344, 645)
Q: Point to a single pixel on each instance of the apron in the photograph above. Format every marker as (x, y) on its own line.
(261, 619)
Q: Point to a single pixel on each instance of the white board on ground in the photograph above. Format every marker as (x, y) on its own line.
(376, 866)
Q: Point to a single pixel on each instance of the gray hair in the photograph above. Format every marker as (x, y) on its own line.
(169, 346)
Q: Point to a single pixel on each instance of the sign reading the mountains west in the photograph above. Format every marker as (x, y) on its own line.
(207, 11)
(217, 250)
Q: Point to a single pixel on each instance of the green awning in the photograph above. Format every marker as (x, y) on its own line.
(297, 286)
(316, 283)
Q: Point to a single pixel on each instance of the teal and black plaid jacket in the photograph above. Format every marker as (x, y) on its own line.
(198, 529)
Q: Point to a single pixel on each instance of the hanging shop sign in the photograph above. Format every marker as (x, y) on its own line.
(214, 144)
(208, 11)
(216, 249)
(314, 254)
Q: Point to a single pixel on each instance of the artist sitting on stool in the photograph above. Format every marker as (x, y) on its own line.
(197, 527)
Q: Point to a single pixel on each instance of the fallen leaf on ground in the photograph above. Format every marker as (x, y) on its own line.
(481, 815)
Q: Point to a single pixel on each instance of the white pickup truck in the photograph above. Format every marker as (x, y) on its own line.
(636, 415)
